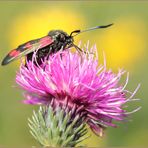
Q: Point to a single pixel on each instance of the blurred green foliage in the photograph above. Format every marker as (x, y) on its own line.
(125, 45)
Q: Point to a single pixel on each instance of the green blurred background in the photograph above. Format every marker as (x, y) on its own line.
(125, 46)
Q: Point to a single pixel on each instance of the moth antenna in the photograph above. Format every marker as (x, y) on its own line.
(89, 29)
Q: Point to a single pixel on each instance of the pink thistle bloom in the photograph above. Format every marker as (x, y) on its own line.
(80, 80)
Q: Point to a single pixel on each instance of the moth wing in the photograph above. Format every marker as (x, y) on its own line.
(27, 48)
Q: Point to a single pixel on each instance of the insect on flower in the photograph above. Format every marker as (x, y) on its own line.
(55, 40)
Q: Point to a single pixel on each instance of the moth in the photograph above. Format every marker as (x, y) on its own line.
(54, 41)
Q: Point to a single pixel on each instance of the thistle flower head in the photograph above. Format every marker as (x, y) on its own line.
(78, 79)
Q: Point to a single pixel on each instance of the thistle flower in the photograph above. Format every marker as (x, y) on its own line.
(78, 79)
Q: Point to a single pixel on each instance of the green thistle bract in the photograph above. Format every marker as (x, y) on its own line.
(57, 127)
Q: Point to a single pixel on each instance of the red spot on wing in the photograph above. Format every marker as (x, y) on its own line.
(28, 45)
(45, 41)
(14, 53)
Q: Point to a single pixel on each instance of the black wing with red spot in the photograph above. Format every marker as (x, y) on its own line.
(27, 48)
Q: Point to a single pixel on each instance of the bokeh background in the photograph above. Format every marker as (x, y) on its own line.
(125, 46)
